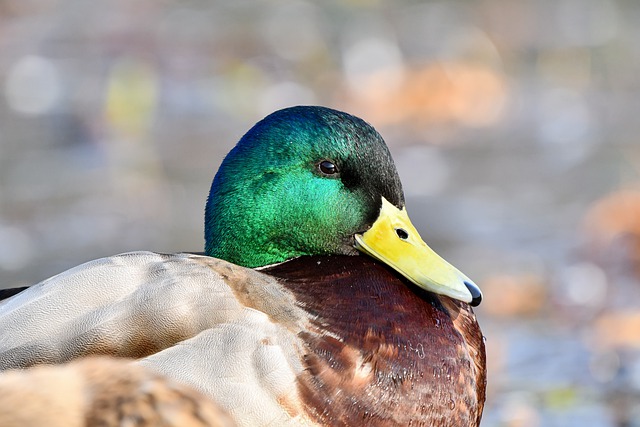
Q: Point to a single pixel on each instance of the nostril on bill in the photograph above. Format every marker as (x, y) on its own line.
(402, 233)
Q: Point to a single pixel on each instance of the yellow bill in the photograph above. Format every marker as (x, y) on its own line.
(393, 240)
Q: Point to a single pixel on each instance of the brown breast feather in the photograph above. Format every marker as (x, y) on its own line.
(381, 351)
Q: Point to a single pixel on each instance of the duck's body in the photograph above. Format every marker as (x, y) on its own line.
(333, 340)
(319, 335)
(105, 392)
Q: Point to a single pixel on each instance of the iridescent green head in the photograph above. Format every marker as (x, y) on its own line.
(316, 181)
(303, 181)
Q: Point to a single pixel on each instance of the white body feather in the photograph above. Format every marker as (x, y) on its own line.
(229, 331)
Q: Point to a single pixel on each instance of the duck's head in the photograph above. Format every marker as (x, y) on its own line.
(316, 181)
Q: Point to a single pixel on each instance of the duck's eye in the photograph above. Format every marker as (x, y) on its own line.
(327, 167)
(402, 233)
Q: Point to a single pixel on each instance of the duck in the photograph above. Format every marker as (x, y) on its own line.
(315, 301)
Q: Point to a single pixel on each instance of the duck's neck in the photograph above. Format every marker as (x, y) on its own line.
(265, 221)
(383, 351)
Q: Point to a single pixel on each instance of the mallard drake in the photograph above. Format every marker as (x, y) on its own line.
(316, 300)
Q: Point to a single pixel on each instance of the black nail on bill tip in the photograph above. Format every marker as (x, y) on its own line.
(476, 294)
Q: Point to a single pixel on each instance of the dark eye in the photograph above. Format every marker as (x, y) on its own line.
(327, 167)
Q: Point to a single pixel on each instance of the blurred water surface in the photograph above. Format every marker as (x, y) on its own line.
(513, 125)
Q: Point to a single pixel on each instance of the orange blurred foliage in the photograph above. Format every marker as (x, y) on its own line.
(613, 222)
(618, 329)
(508, 295)
(441, 92)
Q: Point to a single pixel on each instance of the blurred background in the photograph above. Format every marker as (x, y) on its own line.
(514, 125)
